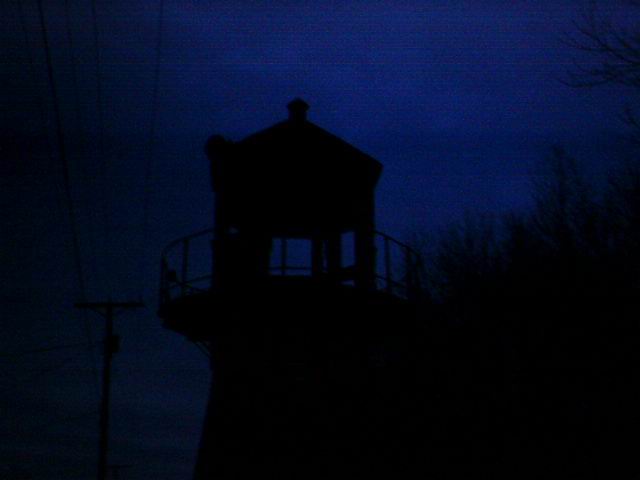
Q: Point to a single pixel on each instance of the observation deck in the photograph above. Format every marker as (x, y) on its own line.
(191, 303)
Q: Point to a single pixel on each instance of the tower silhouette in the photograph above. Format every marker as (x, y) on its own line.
(307, 312)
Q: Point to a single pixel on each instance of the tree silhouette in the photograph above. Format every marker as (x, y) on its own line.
(538, 316)
(616, 47)
(615, 55)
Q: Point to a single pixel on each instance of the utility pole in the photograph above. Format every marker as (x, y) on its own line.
(111, 345)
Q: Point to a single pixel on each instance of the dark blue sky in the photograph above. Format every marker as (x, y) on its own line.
(457, 99)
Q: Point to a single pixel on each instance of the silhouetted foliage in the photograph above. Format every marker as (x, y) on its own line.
(614, 49)
(539, 311)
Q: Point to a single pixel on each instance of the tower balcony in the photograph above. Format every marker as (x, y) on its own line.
(190, 281)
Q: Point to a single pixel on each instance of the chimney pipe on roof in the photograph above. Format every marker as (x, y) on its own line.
(297, 110)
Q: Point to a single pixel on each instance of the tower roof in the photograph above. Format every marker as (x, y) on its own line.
(299, 140)
(294, 174)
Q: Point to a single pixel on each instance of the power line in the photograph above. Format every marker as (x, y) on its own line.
(43, 350)
(28, 380)
(92, 250)
(32, 73)
(46, 427)
(102, 147)
(62, 155)
(152, 139)
(80, 145)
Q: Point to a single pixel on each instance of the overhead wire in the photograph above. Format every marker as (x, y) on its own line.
(102, 151)
(66, 177)
(32, 73)
(82, 169)
(80, 132)
(151, 145)
(28, 380)
(36, 351)
(48, 426)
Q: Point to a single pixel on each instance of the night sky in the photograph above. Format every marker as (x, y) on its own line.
(459, 100)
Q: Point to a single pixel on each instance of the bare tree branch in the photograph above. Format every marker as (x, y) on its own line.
(616, 50)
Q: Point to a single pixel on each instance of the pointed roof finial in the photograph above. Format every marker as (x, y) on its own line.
(297, 110)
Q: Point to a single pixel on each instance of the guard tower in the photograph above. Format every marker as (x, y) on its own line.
(307, 312)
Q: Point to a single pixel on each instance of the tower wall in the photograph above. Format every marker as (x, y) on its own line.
(312, 383)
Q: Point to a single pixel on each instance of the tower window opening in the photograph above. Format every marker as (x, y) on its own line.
(290, 256)
(348, 255)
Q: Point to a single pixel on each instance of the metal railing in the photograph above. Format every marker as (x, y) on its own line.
(399, 268)
(187, 265)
